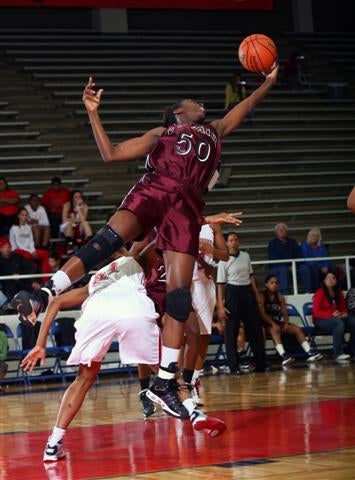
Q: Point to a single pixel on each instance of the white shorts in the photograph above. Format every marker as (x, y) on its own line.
(126, 315)
(204, 302)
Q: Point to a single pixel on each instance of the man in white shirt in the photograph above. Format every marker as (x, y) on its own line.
(237, 296)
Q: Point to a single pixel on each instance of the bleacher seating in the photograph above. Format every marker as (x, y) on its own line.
(291, 162)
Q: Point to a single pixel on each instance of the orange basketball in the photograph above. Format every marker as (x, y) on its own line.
(257, 53)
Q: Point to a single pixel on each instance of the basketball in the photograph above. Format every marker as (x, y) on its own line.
(257, 53)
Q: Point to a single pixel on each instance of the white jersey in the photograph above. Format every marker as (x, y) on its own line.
(118, 307)
(124, 271)
(206, 235)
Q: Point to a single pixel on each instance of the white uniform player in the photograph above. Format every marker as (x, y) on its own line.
(203, 289)
(117, 308)
(114, 305)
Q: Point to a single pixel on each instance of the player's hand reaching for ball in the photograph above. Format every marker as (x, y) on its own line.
(31, 359)
(272, 75)
(91, 97)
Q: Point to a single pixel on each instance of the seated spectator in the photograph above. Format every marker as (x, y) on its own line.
(38, 219)
(9, 200)
(14, 264)
(54, 261)
(75, 225)
(350, 303)
(273, 311)
(313, 248)
(330, 315)
(234, 91)
(53, 200)
(22, 242)
(284, 247)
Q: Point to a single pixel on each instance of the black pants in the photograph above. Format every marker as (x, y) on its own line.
(241, 302)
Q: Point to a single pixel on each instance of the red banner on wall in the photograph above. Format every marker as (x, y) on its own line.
(163, 4)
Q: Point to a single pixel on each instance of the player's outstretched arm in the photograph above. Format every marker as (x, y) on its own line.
(127, 150)
(234, 117)
(69, 299)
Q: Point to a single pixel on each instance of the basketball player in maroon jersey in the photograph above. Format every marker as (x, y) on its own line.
(183, 162)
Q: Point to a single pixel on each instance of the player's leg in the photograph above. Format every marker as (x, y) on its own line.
(197, 387)
(312, 355)
(179, 268)
(123, 226)
(204, 302)
(71, 403)
(148, 407)
(275, 332)
(200, 421)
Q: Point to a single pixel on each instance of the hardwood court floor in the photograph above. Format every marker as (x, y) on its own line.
(298, 424)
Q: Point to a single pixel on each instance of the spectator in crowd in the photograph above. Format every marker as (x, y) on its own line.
(54, 261)
(22, 242)
(313, 248)
(14, 264)
(283, 247)
(237, 300)
(38, 219)
(330, 315)
(53, 200)
(9, 200)
(350, 303)
(234, 91)
(273, 311)
(75, 225)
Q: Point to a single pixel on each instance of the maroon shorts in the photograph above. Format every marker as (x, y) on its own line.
(159, 301)
(174, 207)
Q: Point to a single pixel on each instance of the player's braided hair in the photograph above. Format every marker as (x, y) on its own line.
(169, 115)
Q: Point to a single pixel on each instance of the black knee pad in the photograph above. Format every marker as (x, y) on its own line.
(178, 304)
(102, 246)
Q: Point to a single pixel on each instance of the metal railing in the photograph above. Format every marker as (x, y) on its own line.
(293, 263)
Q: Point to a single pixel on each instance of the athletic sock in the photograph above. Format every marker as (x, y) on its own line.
(168, 356)
(58, 283)
(196, 375)
(168, 364)
(306, 347)
(280, 349)
(57, 435)
(187, 375)
(144, 382)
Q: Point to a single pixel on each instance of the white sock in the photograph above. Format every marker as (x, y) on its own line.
(168, 356)
(280, 349)
(306, 347)
(196, 375)
(189, 404)
(57, 435)
(61, 282)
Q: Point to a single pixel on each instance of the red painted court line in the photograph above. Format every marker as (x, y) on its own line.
(165, 443)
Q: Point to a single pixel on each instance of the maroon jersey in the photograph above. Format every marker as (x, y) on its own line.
(188, 153)
(155, 285)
